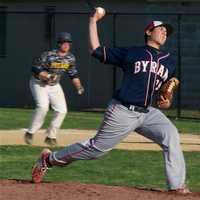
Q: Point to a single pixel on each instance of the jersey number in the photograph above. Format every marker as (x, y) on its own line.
(158, 84)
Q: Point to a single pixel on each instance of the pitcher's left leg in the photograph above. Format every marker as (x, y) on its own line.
(160, 129)
(117, 124)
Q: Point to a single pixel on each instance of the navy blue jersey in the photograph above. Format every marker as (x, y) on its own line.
(145, 70)
(51, 62)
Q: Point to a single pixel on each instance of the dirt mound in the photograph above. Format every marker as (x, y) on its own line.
(23, 190)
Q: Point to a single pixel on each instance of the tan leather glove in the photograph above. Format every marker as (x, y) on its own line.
(166, 93)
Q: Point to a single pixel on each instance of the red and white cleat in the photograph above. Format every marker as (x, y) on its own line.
(41, 166)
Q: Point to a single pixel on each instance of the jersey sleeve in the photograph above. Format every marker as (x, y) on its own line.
(39, 64)
(114, 56)
(72, 71)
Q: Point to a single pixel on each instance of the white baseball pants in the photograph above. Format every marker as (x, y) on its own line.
(45, 95)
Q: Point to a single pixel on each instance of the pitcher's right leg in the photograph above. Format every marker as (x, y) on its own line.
(160, 129)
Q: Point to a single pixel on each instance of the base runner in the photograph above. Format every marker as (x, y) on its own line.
(46, 89)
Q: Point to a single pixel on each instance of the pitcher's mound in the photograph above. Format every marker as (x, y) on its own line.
(25, 190)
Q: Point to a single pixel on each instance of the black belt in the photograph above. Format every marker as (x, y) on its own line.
(131, 107)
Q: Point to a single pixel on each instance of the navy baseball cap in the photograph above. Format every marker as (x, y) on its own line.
(154, 24)
(64, 37)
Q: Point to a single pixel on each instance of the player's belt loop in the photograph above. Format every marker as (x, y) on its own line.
(135, 108)
(131, 107)
(140, 109)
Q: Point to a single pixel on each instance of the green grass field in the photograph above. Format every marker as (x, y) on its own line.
(19, 118)
(118, 167)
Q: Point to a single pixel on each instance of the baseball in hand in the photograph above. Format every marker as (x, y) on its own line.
(100, 12)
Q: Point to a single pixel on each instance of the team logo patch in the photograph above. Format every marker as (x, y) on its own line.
(57, 65)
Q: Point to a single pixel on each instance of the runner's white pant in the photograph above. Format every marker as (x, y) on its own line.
(45, 95)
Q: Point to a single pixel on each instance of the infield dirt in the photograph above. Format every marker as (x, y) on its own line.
(25, 190)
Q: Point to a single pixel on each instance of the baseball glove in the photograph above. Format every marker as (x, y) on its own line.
(166, 93)
(48, 78)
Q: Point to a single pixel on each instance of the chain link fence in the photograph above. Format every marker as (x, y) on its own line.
(24, 35)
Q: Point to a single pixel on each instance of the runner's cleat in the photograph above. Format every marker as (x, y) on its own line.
(51, 141)
(28, 138)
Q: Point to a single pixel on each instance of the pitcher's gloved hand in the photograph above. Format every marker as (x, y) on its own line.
(166, 93)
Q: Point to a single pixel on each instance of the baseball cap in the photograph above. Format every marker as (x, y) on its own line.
(154, 24)
(64, 37)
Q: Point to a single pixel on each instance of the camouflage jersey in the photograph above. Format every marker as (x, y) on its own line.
(55, 65)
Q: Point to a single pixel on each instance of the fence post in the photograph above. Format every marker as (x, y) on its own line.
(179, 66)
(50, 26)
(114, 45)
(3, 24)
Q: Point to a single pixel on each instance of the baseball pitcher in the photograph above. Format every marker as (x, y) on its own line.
(46, 89)
(146, 70)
